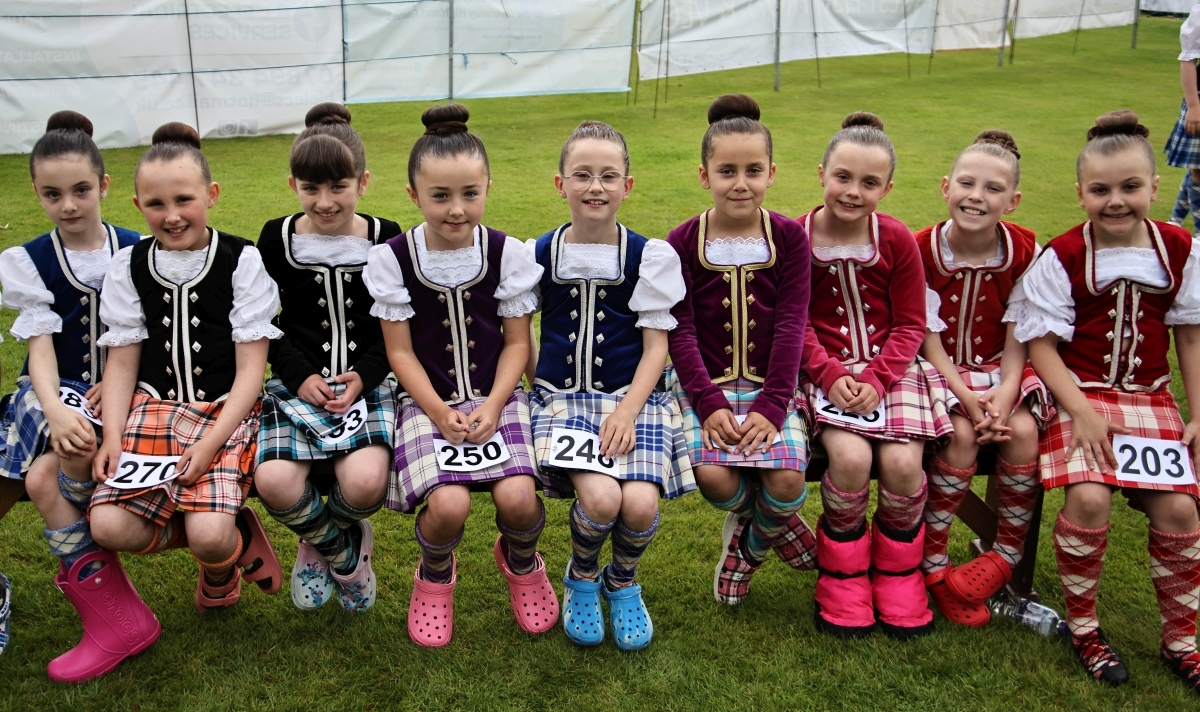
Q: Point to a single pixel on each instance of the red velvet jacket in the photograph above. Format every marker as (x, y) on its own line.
(741, 321)
(867, 312)
(1120, 338)
(974, 299)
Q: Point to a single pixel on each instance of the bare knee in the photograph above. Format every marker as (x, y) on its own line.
(1088, 505)
(784, 485)
(639, 506)
(280, 483)
(41, 482)
(362, 476)
(1174, 513)
(1023, 448)
(903, 462)
(517, 502)
(850, 463)
(962, 450)
(446, 509)
(717, 483)
(602, 504)
(212, 543)
(119, 530)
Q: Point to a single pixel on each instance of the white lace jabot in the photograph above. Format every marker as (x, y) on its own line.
(737, 250)
(331, 250)
(179, 266)
(948, 254)
(589, 261)
(89, 267)
(844, 252)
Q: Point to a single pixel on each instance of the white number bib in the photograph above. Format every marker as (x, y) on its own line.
(778, 437)
(75, 402)
(469, 457)
(136, 472)
(347, 425)
(1153, 461)
(580, 450)
(874, 420)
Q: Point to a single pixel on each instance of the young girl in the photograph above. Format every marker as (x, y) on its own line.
(455, 299)
(54, 283)
(972, 261)
(189, 317)
(736, 352)
(330, 396)
(606, 295)
(1097, 310)
(872, 400)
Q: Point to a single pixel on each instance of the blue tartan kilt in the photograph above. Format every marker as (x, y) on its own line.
(290, 426)
(1183, 151)
(26, 432)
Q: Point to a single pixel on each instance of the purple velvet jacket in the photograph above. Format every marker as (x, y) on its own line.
(742, 322)
(455, 330)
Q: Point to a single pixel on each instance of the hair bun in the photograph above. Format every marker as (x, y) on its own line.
(733, 105)
(176, 132)
(68, 120)
(328, 112)
(1117, 123)
(862, 118)
(445, 118)
(1001, 138)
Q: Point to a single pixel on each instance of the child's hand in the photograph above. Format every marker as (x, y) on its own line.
(999, 404)
(108, 456)
(618, 433)
(315, 391)
(481, 423)
(842, 392)
(757, 434)
(1089, 433)
(719, 430)
(354, 388)
(195, 461)
(452, 424)
(865, 399)
(1191, 438)
(93, 401)
(71, 434)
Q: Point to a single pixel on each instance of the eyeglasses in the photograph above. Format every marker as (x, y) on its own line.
(582, 180)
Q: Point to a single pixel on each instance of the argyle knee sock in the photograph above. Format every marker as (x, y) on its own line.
(844, 511)
(742, 502)
(311, 520)
(437, 560)
(1017, 489)
(587, 538)
(901, 513)
(1183, 204)
(77, 493)
(770, 516)
(628, 546)
(520, 547)
(1080, 556)
(1193, 200)
(1175, 570)
(71, 543)
(346, 518)
(948, 486)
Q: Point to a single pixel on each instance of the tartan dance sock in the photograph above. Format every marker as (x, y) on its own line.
(901, 513)
(437, 560)
(1017, 490)
(587, 538)
(628, 547)
(171, 536)
(1175, 570)
(770, 516)
(1080, 556)
(844, 511)
(742, 502)
(1193, 191)
(311, 520)
(346, 517)
(1183, 203)
(70, 543)
(520, 547)
(947, 488)
(75, 492)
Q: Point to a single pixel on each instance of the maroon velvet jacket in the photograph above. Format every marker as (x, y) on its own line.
(742, 321)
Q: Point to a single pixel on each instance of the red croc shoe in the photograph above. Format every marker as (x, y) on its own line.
(954, 609)
(534, 602)
(978, 579)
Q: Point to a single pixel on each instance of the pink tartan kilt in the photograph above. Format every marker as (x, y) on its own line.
(1033, 392)
(1147, 415)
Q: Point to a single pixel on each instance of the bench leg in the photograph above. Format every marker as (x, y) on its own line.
(1022, 581)
(10, 491)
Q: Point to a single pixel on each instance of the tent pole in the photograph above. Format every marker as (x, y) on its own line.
(667, 82)
(1137, 14)
(932, 39)
(812, 6)
(662, 23)
(1078, 26)
(778, 22)
(633, 47)
(187, 19)
(907, 56)
(345, 53)
(641, 27)
(1012, 47)
(1003, 34)
(450, 55)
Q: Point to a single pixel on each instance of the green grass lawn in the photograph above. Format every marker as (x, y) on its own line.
(764, 654)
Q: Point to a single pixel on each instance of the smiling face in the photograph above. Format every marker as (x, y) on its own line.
(981, 190)
(1116, 191)
(70, 191)
(597, 200)
(174, 198)
(855, 180)
(330, 206)
(738, 173)
(451, 192)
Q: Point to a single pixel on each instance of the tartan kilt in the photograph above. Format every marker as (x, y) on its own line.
(789, 454)
(1183, 151)
(1033, 392)
(660, 454)
(417, 471)
(289, 424)
(26, 432)
(160, 427)
(917, 407)
(1147, 415)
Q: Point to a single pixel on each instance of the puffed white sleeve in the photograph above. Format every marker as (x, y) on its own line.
(1186, 309)
(519, 274)
(25, 292)
(1189, 36)
(933, 305)
(120, 305)
(1041, 303)
(660, 287)
(385, 282)
(255, 300)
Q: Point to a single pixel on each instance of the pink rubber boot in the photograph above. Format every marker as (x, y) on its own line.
(897, 584)
(843, 592)
(116, 623)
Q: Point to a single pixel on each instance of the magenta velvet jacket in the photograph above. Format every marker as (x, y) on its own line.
(744, 321)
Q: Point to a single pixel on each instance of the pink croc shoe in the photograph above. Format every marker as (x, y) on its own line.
(534, 602)
(431, 609)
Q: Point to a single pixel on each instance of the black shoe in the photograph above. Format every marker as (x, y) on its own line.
(1099, 658)
(1186, 667)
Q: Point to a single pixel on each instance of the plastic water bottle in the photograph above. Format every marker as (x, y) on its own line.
(1043, 619)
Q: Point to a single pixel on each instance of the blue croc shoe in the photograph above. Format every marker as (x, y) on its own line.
(631, 625)
(5, 607)
(581, 614)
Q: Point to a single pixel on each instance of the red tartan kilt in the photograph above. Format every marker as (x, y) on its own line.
(1034, 393)
(1147, 415)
